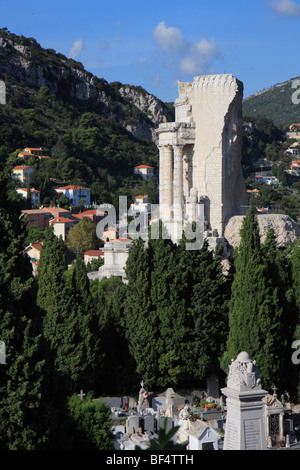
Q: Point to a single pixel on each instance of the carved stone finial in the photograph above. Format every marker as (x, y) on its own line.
(243, 373)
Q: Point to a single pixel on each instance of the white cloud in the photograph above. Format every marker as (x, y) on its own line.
(168, 38)
(182, 56)
(286, 7)
(76, 48)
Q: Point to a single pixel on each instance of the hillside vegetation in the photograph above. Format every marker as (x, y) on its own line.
(94, 132)
(275, 103)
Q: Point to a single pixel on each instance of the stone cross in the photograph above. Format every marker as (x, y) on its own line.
(81, 394)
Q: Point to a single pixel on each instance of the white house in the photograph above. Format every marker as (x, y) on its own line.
(34, 193)
(145, 171)
(62, 226)
(141, 207)
(23, 173)
(265, 179)
(90, 255)
(76, 194)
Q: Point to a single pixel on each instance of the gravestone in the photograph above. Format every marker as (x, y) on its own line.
(132, 424)
(149, 423)
(245, 429)
(213, 389)
(170, 395)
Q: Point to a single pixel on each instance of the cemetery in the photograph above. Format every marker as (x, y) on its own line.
(241, 416)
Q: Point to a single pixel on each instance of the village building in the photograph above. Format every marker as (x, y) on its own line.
(91, 255)
(23, 173)
(28, 152)
(34, 195)
(38, 217)
(95, 215)
(265, 179)
(141, 206)
(33, 251)
(76, 194)
(62, 226)
(110, 233)
(57, 211)
(145, 171)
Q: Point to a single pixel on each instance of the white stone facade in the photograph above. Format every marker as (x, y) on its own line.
(200, 153)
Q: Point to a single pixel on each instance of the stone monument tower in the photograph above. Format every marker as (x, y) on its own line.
(200, 174)
(245, 428)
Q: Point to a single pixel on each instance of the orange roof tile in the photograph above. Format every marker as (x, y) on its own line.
(94, 253)
(144, 166)
(71, 186)
(61, 220)
(21, 167)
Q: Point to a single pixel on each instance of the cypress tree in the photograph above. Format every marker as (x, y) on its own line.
(207, 292)
(255, 313)
(51, 284)
(77, 348)
(22, 422)
(295, 267)
(141, 318)
(168, 304)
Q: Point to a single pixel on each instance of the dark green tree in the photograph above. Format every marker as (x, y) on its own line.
(77, 339)
(207, 293)
(51, 284)
(116, 368)
(255, 313)
(141, 318)
(22, 419)
(91, 428)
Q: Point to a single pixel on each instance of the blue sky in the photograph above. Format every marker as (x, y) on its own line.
(155, 44)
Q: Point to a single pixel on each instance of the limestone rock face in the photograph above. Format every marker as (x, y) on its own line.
(25, 63)
(285, 228)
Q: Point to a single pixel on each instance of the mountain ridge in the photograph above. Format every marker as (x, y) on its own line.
(275, 103)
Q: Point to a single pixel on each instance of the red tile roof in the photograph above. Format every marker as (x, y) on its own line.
(61, 220)
(71, 186)
(144, 166)
(21, 167)
(94, 253)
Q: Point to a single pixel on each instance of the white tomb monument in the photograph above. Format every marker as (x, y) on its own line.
(245, 427)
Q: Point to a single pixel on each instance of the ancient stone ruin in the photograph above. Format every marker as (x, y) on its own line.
(200, 174)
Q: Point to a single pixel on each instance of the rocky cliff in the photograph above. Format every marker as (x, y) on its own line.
(26, 67)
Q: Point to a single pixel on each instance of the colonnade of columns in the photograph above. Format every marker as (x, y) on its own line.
(171, 179)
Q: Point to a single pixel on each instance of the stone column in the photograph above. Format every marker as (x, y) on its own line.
(178, 183)
(168, 176)
(161, 174)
